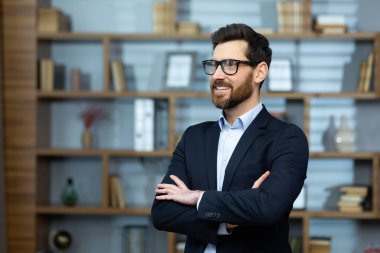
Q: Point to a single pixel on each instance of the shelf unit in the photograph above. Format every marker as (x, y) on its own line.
(20, 146)
(172, 97)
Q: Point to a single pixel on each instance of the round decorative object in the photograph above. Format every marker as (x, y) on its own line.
(59, 240)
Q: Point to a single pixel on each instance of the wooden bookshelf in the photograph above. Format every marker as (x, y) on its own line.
(23, 158)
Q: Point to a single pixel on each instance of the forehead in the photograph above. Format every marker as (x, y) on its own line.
(234, 49)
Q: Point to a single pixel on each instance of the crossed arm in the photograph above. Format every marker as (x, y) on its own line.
(182, 194)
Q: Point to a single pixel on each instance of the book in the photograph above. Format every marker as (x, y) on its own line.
(368, 73)
(144, 124)
(352, 198)
(117, 192)
(51, 20)
(319, 245)
(164, 17)
(118, 76)
(75, 79)
(357, 190)
(46, 77)
(188, 28)
(293, 17)
(362, 73)
(328, 19)
(351, 209)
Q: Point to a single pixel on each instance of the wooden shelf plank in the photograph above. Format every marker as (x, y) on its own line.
(88, 210)
(351, 155)
(342, 215)
(189, 94)
(91, 210)
(51, 152)
(201, 36)
(168, 153)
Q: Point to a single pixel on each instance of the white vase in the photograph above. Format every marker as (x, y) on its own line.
(344, 138)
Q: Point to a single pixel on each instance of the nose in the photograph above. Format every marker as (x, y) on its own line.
(219, 74)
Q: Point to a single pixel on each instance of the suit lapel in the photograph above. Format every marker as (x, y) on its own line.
(256, 129)
(211, 153)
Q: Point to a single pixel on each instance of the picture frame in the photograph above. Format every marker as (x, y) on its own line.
(300, 202)
(179, 71)
(280, 75)
(135, 239)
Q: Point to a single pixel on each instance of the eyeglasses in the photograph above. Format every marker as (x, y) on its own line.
(229, 66)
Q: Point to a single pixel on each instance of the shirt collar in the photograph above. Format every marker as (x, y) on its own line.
(243, 121)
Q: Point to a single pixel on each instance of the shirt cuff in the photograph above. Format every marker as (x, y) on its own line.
(199, 200)
(223, 229)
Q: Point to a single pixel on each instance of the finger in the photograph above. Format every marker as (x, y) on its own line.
(165, 191)
(165, 197)
(179, 182)
(167, 186)
(261, 180)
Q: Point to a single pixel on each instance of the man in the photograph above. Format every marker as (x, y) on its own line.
(217, 190)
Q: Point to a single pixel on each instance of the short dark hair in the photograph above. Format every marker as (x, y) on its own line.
(258, 45)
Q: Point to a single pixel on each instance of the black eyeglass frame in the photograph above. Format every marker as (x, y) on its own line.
(220, 63)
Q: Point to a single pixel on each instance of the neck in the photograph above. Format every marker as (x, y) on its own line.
(232, 114)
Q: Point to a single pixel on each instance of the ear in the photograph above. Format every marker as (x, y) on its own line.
(260, 72)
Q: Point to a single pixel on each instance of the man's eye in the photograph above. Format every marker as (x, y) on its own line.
(230, 63)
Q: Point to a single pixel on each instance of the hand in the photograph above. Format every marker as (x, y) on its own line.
(230, 227)
(261, 180)
(178, 193)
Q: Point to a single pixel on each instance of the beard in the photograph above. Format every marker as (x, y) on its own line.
(237, 95)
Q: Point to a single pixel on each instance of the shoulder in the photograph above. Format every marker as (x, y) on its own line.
(202, 127)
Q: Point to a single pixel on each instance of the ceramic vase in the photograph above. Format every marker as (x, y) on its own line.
(87, 138)
(69, 194)
(344, 137)
(328, 136)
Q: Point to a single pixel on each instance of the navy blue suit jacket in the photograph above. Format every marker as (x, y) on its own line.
(262, 214)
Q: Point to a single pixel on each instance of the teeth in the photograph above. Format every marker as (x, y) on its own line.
(222, 88)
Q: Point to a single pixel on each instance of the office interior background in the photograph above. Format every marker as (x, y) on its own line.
(89, 92)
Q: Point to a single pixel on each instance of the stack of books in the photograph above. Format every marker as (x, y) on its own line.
(51, 20)
(164, 17)
(294, 17)
(117, 199)
(354, 198)
(330, 24)
(365, 74)
(319, 245)
(46, 74)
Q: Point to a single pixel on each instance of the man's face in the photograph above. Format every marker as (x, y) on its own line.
(229, 91)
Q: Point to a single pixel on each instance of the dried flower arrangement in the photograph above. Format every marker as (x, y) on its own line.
(90, 115)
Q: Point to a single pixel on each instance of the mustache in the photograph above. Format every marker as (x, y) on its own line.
(220, 83)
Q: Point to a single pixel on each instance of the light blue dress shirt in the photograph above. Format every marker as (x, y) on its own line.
(228, 139)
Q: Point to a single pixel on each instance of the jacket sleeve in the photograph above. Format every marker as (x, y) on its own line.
(274, 199)
(174, 217)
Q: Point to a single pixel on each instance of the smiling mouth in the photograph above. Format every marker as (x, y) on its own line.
(221, 88)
